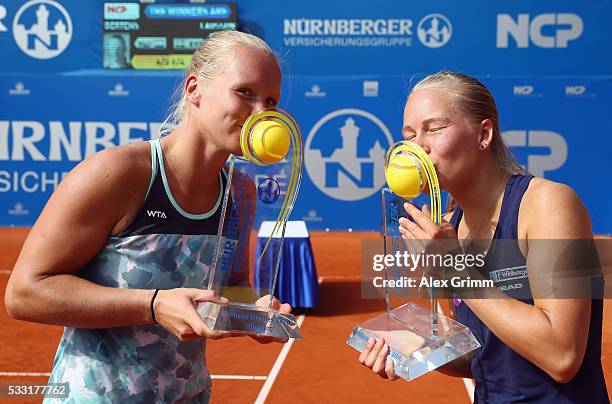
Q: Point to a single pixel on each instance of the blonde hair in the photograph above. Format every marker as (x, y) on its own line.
(210, 59)
(471, 98)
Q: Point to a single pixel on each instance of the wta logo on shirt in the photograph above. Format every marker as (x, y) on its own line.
(156, 214)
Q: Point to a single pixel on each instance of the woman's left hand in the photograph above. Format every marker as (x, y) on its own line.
(429, 237)
(276, 305)
(375, 356)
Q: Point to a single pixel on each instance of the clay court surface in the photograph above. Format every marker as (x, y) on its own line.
(321, 368)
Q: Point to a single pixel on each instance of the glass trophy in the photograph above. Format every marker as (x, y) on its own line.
(419, 337)
(263, 186)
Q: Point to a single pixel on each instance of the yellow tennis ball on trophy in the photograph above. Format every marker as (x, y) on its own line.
(404, 176)
(270, 141)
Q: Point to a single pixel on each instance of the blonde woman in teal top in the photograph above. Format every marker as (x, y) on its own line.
(139, 218)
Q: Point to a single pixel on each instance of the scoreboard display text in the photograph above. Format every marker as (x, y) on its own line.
(160, 36)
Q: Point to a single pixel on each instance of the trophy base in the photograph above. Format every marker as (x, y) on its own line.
(407, 330)
(249, 319)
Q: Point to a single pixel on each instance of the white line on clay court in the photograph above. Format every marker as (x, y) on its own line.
(265, 390)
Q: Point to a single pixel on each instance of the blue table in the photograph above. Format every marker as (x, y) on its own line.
(297, 282)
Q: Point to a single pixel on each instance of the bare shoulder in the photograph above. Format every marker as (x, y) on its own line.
(553, 210)
(89, 204)
(116, 164)
(106, 183)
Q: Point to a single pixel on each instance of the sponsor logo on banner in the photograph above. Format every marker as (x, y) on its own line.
(67, 141)
(315, 91)
(525, 90)
(434, 30)
(118, 91)
(578, 90)
(539, 164)
(18, 210)
(345, 153)
(543, 30)
(19, 89)
(312, 216)
(121, 11)
(24, 144)
(42, 29)
(370, 88)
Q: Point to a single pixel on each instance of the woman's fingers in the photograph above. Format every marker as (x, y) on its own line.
(380, 361)
(366, 350)
(285, 308)
(373, 355)
(276, 304)
(390, 369)
(422, 220)
(199, 296)
(176, 312)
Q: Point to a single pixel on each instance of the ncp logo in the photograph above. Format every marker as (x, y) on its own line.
(434, 30)
(525, 90)
(121, 11)
(562, 28)
(538, 164)
(345, 153)
(42, 29)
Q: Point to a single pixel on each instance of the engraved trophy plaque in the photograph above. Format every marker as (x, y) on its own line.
(263, 185)
(420, 339)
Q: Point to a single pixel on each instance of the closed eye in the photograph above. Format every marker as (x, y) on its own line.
(244, 91)
(437, 128)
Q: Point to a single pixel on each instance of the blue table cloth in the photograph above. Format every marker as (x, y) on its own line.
(297, 282)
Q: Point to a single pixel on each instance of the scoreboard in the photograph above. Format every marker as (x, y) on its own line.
(160, 35)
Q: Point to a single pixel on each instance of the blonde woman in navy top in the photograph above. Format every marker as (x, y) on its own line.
(534, 349)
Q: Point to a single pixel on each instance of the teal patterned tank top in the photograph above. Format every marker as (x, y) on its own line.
(163, 248)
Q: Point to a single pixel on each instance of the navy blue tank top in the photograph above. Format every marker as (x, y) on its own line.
(502, 375)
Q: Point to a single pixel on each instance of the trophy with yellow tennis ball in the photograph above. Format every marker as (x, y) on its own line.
(420, 339)
(263, 185)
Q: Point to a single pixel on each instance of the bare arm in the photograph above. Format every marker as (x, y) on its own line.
(72, 228)
(90, 204)
(553, 332)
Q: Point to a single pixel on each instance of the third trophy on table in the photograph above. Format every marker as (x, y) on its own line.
(263, 186)
(419, 338)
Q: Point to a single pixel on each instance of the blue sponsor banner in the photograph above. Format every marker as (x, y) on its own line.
(390, 37)
(554, 127)
(357, 37)
(50, 123)
(50, 35)
(557, 128)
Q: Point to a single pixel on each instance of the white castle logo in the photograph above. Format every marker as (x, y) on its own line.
(344, 175)
(434, 30)
(39, 41)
